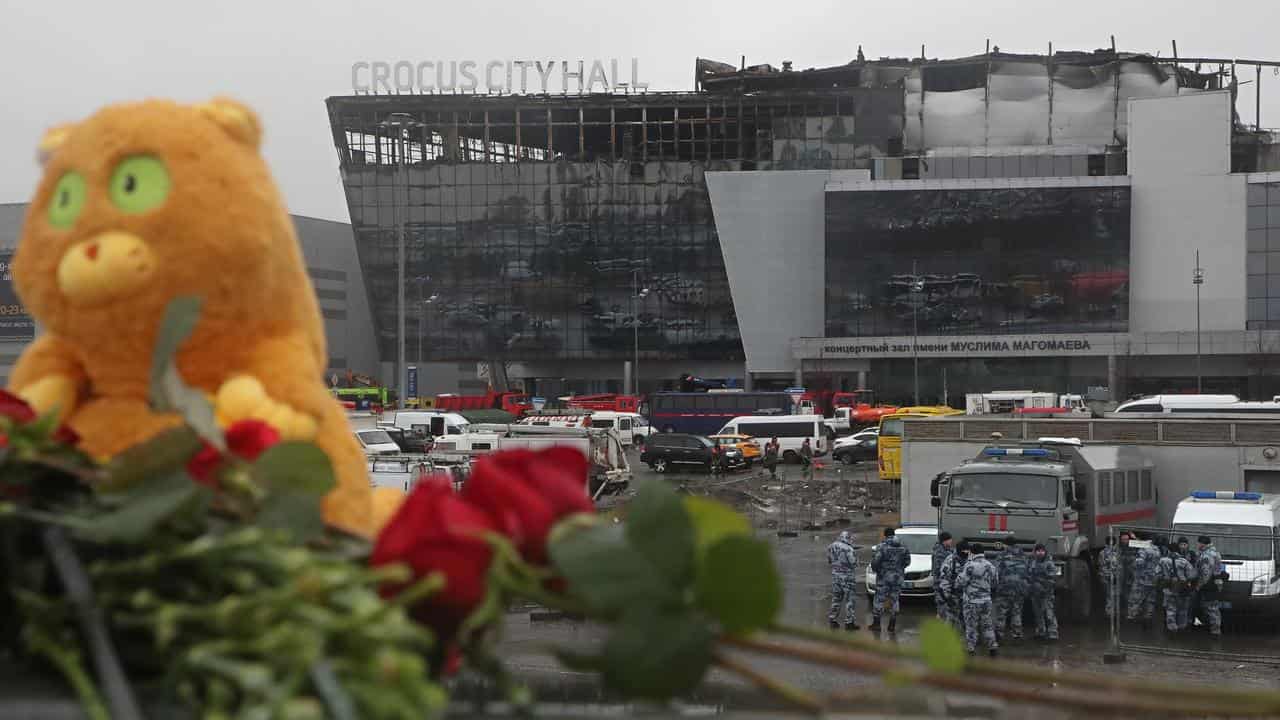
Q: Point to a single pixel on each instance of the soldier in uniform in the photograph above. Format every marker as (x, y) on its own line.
(1209, 579)
(1011, 594)
(889, 563)
(1109, 573)
(843, 559)
(948, 582)
(1128, 559)
(1179, 580)
(942, 550)
(1040, 586)
(976, 582)
(1142, 595)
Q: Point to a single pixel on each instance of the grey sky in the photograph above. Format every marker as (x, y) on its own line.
(63, 60)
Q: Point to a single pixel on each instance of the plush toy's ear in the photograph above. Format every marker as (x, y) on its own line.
(236, 119)
(53, 139)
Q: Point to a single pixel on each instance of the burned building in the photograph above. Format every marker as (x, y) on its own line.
(741, 229)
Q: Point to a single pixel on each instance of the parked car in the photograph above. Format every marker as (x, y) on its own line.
(918, 578)
(859, 450)
(377, 442)
(409, 441)
(751, 450)
(665, 452)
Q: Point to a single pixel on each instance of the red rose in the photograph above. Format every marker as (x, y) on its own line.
(436, 531)
(15, 408)
(526, 493)
(246, 439)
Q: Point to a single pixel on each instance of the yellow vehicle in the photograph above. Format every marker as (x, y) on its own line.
(890, 443)
(751, 450)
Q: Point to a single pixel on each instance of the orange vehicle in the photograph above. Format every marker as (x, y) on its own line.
(516, 403)
(608, 401)
(862, 407)
(751, 450)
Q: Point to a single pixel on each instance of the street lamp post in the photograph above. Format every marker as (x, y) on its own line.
(1197, 279)
(400, 122)
(637, 293)
(917, 287)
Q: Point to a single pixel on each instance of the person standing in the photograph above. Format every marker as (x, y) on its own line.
(1128, 561)
(1209, 582)
(889, 563)
(942, 550)
(1011, 593)
(1109, 574)
(976, 582)
(1040, 586)
(806, 459)
(1180, 584)
(949, 584)
(1142, 594)
(771, 457)
(843, 559)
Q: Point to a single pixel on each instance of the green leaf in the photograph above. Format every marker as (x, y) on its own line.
(657, 655)
(713, 521)
(607, 573)
(296, 467)
(941, 646)
(739, 584)
(165, 453)
(659, 529)
(297, 513)
(148, 505)
(168, 391)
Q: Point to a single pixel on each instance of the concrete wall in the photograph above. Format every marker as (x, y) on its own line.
(771, 228)
(1184, 199)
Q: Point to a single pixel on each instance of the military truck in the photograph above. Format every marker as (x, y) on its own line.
(1059, 492)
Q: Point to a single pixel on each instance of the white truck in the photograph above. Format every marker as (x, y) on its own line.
(609, 468)
(1029, 403)
(1245, 528)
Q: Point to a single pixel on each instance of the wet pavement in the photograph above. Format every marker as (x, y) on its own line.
(801, 555)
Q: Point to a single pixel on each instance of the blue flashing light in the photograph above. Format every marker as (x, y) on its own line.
(995, 451)
(1226, 495)
(1026, 452)
(1036, 452)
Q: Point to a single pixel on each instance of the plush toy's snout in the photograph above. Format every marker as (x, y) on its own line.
(109, 265)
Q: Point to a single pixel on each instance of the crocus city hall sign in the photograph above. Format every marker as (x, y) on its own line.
(495, 76)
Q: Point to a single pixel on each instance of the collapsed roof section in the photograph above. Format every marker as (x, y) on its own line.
(991, 100)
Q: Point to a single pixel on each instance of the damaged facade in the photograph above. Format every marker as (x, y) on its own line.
(531, 220)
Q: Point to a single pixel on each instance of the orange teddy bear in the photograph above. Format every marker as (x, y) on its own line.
(145, 202)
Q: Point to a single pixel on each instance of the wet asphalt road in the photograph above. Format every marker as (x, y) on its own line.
(806, 579)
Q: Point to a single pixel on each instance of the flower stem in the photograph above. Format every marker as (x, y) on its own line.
(1023, 673)
(785, 691)
(1110, 701)
(68, 663)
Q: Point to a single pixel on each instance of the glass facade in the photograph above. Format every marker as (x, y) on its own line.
(533, 226)
(1262, 265)
(977, 261)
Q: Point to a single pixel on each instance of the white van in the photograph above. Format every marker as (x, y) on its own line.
(431, 423)
(632, 428)
(1245, 528)
(791, 431)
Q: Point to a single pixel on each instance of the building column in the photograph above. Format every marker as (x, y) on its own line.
(627, 386)
(799, 377)
(748, 382)
(862, 379)
(1111, 378)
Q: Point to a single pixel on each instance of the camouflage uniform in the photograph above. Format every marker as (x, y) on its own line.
(844, 586)
(976, 581)
(1142, 596)
(1011, 594)
(940, 554)
(1040, 586)
(1178, 577)
(889, 562)
(1128, 563)
(948, 584)
(1208, 567)
(1109, 570)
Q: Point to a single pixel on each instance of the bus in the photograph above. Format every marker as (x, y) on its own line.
(889, 450)
(1198, 406)
(703, 413)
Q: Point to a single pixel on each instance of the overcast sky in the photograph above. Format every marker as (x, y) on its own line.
(61, 60)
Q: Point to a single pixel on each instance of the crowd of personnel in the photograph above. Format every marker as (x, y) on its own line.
(983, 594)
(1185, 582)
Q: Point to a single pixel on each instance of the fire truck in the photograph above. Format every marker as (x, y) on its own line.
(608, 401)
(516, 403)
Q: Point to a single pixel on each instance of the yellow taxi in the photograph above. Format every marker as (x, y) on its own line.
(751, 450)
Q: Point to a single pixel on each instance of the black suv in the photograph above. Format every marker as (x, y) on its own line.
(665, 452)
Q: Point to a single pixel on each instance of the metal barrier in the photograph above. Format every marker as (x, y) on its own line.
(1237, 545)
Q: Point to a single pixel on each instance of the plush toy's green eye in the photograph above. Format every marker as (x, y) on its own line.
(67, 201)
(139, 184)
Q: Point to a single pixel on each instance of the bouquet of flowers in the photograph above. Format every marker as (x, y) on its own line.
(197, 567)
